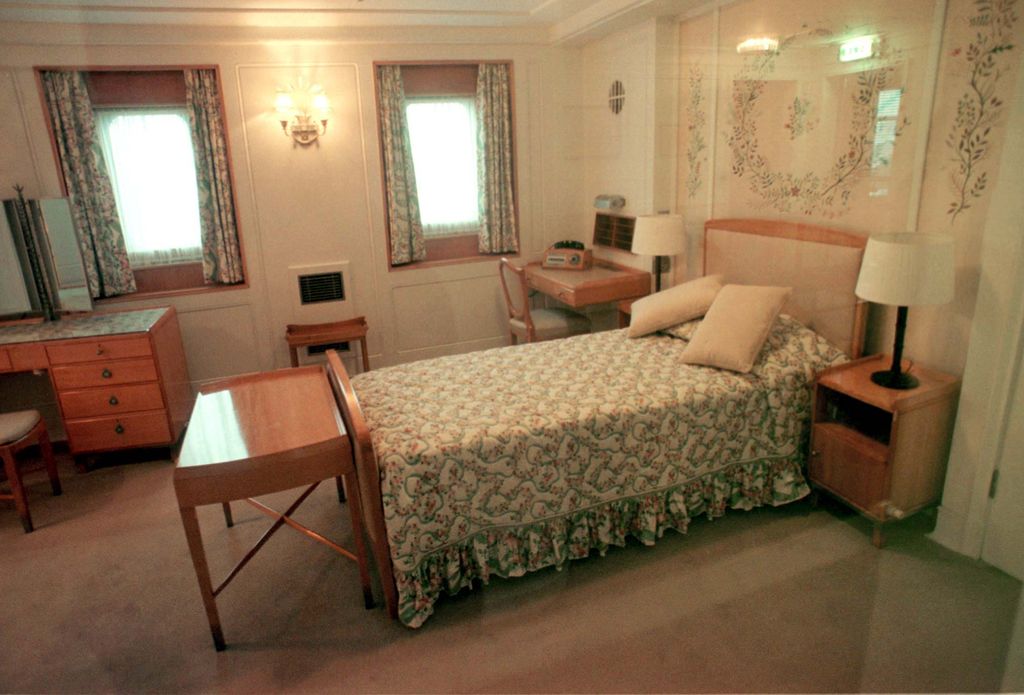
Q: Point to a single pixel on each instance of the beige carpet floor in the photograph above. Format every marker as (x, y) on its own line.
(102, 598)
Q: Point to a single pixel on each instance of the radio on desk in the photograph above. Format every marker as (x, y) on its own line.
(568, 255)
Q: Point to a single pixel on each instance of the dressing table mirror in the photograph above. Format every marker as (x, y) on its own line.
(42, 270)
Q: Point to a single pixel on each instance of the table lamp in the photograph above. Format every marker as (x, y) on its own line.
(905, 270)
(658, 235)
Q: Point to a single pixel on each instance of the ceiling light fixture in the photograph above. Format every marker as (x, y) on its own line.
(758, 44)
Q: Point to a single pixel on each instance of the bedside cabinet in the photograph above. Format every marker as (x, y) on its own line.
(879, 450)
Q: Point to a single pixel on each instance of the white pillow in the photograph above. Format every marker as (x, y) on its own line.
(735, 327)
(673, 306)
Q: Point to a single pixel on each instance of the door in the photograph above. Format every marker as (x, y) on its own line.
(1003, 545)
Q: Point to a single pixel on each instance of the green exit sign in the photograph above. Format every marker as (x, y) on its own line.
(856, 49)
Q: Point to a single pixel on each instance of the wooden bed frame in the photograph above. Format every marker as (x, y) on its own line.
(820, 264)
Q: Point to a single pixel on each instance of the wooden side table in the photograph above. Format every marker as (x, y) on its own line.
(303, 335)
(257, 434)
(882, 451)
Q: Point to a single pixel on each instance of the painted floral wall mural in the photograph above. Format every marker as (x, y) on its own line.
(908, 138)
(826, 191)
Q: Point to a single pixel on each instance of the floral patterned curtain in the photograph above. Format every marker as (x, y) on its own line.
(222, 254)
(403, 204)
(494, 160)
(85, 175)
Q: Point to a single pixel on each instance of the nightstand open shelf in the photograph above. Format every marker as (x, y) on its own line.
(880, 450)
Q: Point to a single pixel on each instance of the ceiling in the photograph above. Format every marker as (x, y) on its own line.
(558, 20)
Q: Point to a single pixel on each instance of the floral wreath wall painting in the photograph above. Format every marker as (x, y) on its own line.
(979, 108)
(827, 194)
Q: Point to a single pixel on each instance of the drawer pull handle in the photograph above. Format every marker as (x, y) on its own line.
(815, 453)
(99, 350)
(119, 429)
(113, 400)
(107, 374)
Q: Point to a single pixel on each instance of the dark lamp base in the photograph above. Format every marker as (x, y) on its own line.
(894, 380)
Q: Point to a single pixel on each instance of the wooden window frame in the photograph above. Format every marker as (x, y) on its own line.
(456, 248)
(114, 86)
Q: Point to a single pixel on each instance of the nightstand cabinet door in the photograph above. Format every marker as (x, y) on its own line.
(849, 465)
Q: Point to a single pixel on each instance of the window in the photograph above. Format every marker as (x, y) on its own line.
(448, 158)
(443, 136)
(158, 206)
(162, 138)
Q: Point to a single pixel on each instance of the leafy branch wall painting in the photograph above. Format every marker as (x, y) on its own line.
(696, 119)
(978, 109)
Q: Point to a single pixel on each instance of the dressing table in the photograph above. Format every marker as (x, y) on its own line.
(120, 377)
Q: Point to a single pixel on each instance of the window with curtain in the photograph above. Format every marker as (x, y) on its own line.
(447, 150)
(444, 154)
(144, 157)
(158, 205)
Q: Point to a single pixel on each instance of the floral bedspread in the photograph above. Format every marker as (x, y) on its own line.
(509, 460)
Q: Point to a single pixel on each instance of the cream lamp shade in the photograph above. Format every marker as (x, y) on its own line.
(659, 235)
(907, 270)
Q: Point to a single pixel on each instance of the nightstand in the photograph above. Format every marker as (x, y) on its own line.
(879, 450)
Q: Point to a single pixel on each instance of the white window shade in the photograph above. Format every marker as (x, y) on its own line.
(443, 135)
(152, 169)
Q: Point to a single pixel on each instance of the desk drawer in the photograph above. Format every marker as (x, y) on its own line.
(131, 429)
(98, 350)
(104, 374)
(113, 400)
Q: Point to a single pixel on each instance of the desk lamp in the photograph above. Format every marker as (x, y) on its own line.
(659, 235)
(904, 270)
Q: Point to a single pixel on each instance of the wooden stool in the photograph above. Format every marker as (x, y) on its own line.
(17, 431)
(302, 335)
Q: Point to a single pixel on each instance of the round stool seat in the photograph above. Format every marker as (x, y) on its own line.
(14, 426)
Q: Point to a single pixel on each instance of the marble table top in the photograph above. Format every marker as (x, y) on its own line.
(88, 326)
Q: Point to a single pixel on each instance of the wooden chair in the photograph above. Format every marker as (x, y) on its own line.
(17, 431)
(537, 324)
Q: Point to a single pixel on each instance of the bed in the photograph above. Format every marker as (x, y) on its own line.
(494, 464)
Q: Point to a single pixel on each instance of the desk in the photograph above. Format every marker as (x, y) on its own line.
(120, 377)
(605, 282)
(253, 435)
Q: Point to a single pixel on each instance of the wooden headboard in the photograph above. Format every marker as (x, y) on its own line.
(820, 264)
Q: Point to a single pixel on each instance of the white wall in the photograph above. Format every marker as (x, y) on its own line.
(631, 153)
(303, 206)
(986, 419)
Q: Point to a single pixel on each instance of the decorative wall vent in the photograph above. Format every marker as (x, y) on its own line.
(616, 96)
(321, 287)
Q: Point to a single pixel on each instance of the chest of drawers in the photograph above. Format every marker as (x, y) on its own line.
(120, 379)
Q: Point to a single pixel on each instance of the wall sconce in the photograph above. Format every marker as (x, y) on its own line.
(303, 112)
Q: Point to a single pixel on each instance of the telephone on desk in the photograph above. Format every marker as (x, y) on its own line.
(568, 255)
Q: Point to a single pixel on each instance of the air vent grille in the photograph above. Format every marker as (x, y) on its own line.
(614, 231)
(321, 287)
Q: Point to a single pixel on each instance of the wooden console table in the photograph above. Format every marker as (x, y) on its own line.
(253, 435)
(120, 377)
